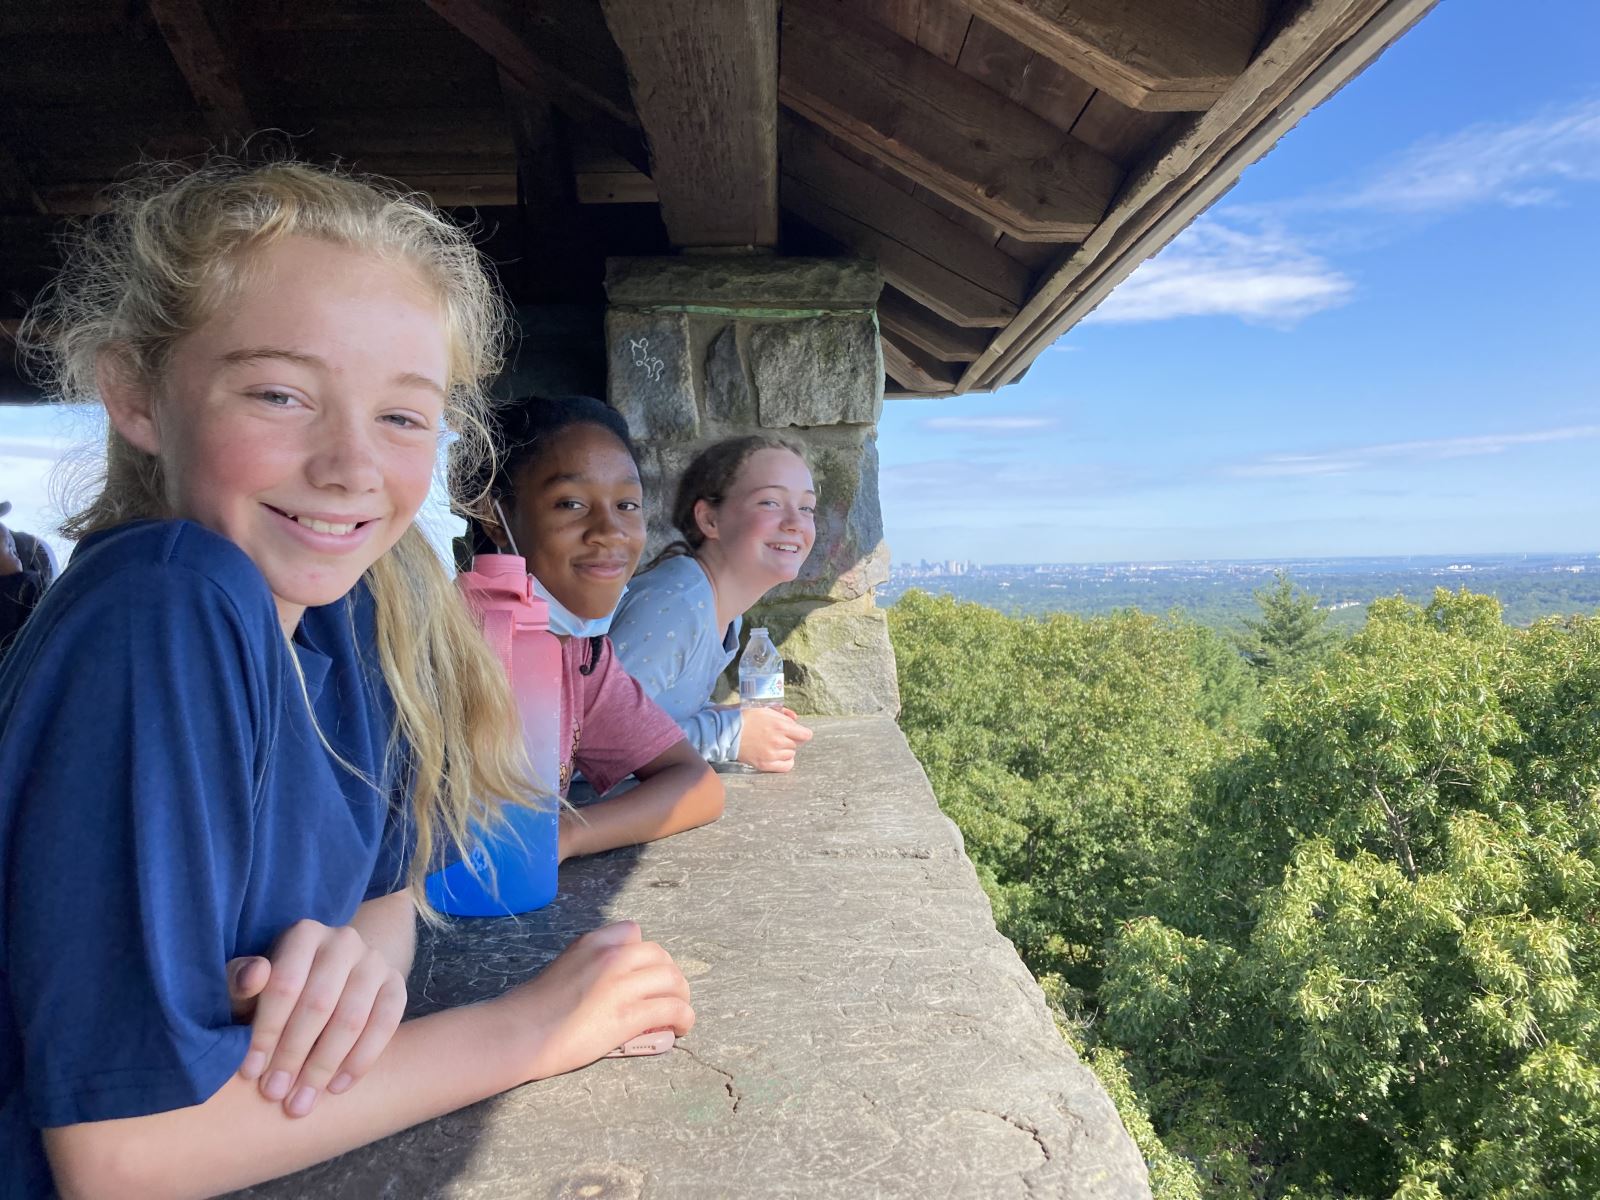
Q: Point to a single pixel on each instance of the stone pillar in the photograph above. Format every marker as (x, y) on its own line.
(700, 348)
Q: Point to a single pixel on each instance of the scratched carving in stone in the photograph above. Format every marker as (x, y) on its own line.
(649, 363)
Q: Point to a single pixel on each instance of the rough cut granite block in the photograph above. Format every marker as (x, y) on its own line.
(824, 371)
(650, 375)
(738, 281)
(863, 1029)
(729, 399)
(836, 655)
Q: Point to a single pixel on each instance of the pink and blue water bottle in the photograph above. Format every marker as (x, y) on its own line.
(513, 867)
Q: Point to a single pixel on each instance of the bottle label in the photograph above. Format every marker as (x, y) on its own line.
(760, 689)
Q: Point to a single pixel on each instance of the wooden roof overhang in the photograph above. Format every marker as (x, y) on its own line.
(1006, 162)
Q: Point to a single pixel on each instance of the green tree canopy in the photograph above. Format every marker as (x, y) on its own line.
(1378, 963)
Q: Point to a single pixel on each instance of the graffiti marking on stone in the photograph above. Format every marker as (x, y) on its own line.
(650, 364)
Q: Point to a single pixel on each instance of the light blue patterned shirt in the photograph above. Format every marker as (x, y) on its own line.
(665, 634)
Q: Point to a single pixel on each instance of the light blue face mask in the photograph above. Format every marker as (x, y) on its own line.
(563, 621)
(566, 623)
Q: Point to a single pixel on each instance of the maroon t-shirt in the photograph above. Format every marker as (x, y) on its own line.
(611, 727)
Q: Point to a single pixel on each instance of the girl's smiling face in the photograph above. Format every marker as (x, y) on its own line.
(302, 420)
(578, 517)
(766, 523)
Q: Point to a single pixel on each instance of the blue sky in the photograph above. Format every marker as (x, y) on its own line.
(1382, 341)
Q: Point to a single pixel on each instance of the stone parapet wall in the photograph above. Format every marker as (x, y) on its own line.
(706, 347)
(863, 1030)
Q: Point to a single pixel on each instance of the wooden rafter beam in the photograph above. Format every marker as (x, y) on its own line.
(206, 65)
(918, 373)
(926, 330)
(704, 75)
(988, 155)
(954, 297)
(511, 51)
(1155, 55)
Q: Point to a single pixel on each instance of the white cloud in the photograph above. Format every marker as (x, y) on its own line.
(986, 424)
(1263, 274)
(1212, 269)
(1344, 462)
(1514, 164)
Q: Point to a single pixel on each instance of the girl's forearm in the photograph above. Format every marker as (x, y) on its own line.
(389, 925)
(434, 1065)
(678, 797)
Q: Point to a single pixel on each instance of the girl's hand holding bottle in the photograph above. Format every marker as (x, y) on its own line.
(607, 987)
(321, 1008)
(769, 737)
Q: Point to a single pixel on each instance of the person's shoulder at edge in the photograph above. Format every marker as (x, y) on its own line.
(147, 566)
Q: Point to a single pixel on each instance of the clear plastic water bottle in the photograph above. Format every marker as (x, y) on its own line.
(760, 673)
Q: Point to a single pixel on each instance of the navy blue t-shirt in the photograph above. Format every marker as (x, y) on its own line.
(166, 804)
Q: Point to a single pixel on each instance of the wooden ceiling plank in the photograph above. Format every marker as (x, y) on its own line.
(954, 297)
(902, 16)
(940, 126)
(704, 76)
(957, 215)
(1036, 256)
(1022, 74)
(1156, 55)
(942, 31)
(206, 65)
(1122, 134)
(851, 189)
(927, 330)
(914, 370)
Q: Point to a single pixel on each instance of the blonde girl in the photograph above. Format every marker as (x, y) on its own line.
(250, 715)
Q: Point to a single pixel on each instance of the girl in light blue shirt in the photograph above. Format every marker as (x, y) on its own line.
(746, 508)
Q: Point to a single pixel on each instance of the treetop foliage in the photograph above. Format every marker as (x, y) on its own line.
(1342, 941)
(1290, 633)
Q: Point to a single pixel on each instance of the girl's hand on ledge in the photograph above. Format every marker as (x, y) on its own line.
(322, 1009)
(770, 737)
(605, 988)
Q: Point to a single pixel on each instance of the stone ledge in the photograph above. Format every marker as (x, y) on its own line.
(863, 1029)
(732, 282)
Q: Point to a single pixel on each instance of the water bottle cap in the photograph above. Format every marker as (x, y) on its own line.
(758, 631)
